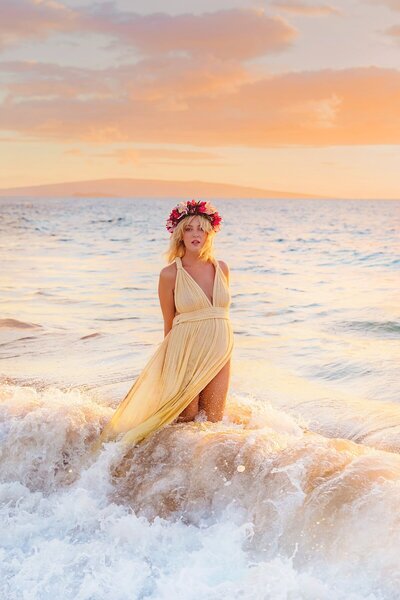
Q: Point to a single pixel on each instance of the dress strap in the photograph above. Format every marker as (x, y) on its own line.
(178, 262)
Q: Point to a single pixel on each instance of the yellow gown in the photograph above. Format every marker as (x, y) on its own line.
(199, 344)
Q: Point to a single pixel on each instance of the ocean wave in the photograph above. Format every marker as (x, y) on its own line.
(253, 500)
(17, 324)
(389, 329)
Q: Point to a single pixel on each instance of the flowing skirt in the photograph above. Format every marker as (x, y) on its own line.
(190, 356)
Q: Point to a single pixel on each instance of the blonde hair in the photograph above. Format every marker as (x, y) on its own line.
(177, 247)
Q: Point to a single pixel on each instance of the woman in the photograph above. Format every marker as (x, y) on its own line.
(190, 369)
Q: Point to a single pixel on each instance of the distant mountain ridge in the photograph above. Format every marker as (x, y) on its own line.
(148, 188)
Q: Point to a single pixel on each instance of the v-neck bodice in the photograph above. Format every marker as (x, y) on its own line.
(216, 266)
(189, 295)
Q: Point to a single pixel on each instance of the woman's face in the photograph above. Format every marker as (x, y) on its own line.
(193, 235)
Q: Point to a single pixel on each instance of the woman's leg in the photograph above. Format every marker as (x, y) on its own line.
(213, 397)
(189, 413)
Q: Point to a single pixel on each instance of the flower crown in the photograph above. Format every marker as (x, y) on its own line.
(194, 207)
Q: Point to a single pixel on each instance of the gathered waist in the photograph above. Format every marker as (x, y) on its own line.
(213, 312)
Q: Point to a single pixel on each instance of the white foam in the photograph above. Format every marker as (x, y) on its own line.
(306, 518)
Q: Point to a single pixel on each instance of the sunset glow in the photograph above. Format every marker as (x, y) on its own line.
(295, 96)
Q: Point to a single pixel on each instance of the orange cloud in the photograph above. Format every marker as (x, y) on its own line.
(394, 32)
(168, 80)
(173, 81)
(312, 10)
(328, 107)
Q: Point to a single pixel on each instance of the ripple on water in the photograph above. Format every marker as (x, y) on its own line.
(386, 329)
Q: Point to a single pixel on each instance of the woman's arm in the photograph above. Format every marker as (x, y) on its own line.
(166, 295)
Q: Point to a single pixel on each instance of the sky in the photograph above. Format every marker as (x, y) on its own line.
(298, 96)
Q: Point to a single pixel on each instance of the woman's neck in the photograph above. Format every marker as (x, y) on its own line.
(192, 258)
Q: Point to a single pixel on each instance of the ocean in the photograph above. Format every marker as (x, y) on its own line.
(294, 495)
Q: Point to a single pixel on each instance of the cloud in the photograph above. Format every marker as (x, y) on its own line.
(300, 8)
(393, 4)
(393, 32)
(35, 80)
(319, 114)
(326, 107)
(234, 34)
(34, 20)
(192, 84)
(170, 81)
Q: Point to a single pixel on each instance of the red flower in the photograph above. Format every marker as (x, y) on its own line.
(194, 207)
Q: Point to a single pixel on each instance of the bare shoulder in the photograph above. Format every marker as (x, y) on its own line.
(169, 271)
(168, 274)
(224, 268)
